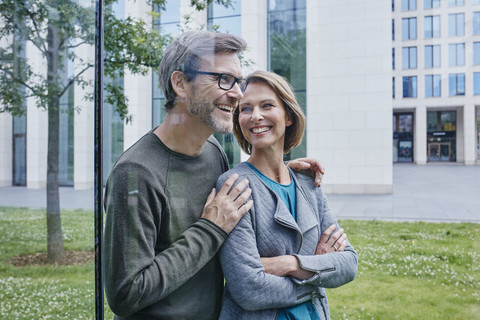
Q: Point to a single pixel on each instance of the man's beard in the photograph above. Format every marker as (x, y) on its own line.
(205, 111)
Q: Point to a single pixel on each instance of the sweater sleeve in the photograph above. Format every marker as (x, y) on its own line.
(332, 269)
(246, 280)
(135, 275)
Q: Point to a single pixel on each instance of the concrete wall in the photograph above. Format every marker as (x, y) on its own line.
(349, 108)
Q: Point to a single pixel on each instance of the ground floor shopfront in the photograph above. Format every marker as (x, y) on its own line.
(446, 134)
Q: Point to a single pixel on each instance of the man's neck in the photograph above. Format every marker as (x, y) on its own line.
(183, 133)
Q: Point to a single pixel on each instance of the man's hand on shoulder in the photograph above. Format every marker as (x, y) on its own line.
(312, 167)
(229, 205)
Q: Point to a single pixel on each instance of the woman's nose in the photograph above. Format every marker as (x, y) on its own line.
(256, 114)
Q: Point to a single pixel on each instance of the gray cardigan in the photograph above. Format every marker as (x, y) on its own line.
(269, 230)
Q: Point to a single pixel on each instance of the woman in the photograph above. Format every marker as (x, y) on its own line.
(282, 254)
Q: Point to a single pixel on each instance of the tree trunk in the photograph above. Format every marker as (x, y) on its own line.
(55, 249)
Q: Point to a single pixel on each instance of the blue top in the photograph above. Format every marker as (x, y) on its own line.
(287, 193)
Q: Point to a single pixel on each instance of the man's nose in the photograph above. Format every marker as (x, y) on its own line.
(235, 92)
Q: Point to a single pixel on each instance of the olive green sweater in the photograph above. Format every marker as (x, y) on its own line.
(160, 258)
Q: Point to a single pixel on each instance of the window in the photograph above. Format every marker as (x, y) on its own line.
(476, 23)
(432, 86)
(286, 36)
(393, 87)
(475, 1)
(393, 58)
(409, 58)
(456, 24)
(409, 28)
(408, 5)
(430, 4)
(410, 87)
(167, 22)
(393, 29)
(432, 56)
(476, 83)
(227, 19)
(432, 27)
(456, 3)
(456, 54)
(476, 53)
(456, 84)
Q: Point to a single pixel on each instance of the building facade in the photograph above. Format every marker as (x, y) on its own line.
(335, 53)
(436, 81)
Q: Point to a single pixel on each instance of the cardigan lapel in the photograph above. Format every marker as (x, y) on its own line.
(306, 216)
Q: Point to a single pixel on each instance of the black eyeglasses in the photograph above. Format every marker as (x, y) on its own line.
(226, 81)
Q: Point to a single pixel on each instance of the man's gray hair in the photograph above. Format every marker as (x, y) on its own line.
(183, 54)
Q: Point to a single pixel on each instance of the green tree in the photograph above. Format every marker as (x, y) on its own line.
(56, 28)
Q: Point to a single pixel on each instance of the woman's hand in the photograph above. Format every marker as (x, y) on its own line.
(287, 265)
(312, 166)
(331, 243)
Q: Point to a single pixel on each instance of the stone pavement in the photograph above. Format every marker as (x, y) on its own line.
(430, 193)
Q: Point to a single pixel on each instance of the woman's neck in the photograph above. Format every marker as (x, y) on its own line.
(271, 165)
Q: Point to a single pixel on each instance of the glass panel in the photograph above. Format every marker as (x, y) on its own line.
(476, 23)
(452, 55)
(437, 87)
(413, 28)
(436, 56)
(452, 25)
(428, 27)
(452, 84)
(460, 24)
(227, 19)
(460, 54)
(287, 50)
(436, 26)
(460, 84)
(428, 86)
(414, 86)
(413, 57)
(405, 29)
(405, 58)
(428, 56)
(476, 53)
(47, 254)
(476, 83)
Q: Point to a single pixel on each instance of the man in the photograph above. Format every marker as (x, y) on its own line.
(165, 221)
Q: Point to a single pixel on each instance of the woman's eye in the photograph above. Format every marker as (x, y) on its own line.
(268, 105)
(245, 109)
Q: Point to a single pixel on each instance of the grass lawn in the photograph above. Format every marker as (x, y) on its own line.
(406, 270)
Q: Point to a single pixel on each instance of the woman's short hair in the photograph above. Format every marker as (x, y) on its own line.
(184, 52)
(284, 91)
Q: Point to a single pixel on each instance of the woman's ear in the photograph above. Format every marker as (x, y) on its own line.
(179, 84)
(288, 119)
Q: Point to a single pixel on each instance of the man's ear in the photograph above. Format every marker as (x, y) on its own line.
(179, 84)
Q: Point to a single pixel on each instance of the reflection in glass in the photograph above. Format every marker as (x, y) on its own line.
(432, 85)
(168, 22)
(403, 137)
(287, 50)
(456, 24)
(410, 87)
(456, 84)
(409, 58)
(432, 56)
(456, 54)
(227, 19)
